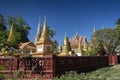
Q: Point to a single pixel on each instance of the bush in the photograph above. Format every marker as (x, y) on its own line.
(91, 52)
(1, 77)
(2, 67)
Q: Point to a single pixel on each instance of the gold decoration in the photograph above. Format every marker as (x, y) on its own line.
(66, 47)
(10, 37)
(44, 35)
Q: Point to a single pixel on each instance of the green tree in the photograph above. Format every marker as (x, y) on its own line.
(51, 32)
(117, 31)
(91, 52)
(3, 31)
(96, 46)
(2, 23)
(55, 46)
(109, 40)
(21, 27)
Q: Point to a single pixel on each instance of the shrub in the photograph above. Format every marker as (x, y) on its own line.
(2, 67)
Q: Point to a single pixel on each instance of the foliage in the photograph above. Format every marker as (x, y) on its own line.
(1, 68)
(91, 52)
(2, 23)
(108, 39)
(55, 45)
(96, 45)
(3, 38)
(117, 30)
(51, 32)
(104, 41)
(3, 32)
(1, 77)
(19, 74)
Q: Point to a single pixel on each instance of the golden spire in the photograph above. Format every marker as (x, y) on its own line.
(38, 34)
(65, 40)
(94, 29)
(11, 32)
(66, 47)
(44, 35)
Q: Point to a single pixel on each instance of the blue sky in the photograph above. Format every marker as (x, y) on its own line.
(68, 16)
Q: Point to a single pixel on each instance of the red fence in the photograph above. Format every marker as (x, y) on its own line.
(8, 62)
(51, 66)
(79, 64)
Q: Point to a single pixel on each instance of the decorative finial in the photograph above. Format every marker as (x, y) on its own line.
(45, 18)
(94, 29)
(39, 19)
(44, 34)
(65, 34)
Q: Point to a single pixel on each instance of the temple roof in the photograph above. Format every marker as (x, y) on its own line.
(27, 45)
(77, 39)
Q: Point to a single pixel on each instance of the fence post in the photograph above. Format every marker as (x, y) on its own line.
(54, 66)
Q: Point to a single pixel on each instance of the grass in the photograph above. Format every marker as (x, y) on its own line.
(107, 73)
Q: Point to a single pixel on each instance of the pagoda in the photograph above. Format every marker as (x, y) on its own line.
(66, 49)
(44, 46)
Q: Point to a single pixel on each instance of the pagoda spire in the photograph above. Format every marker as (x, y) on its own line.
(11, 33)
(38, 30)
(65, 40)
(59, 48)
(94, 29)
(38, 34)
(44, 34)
(66, 47)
